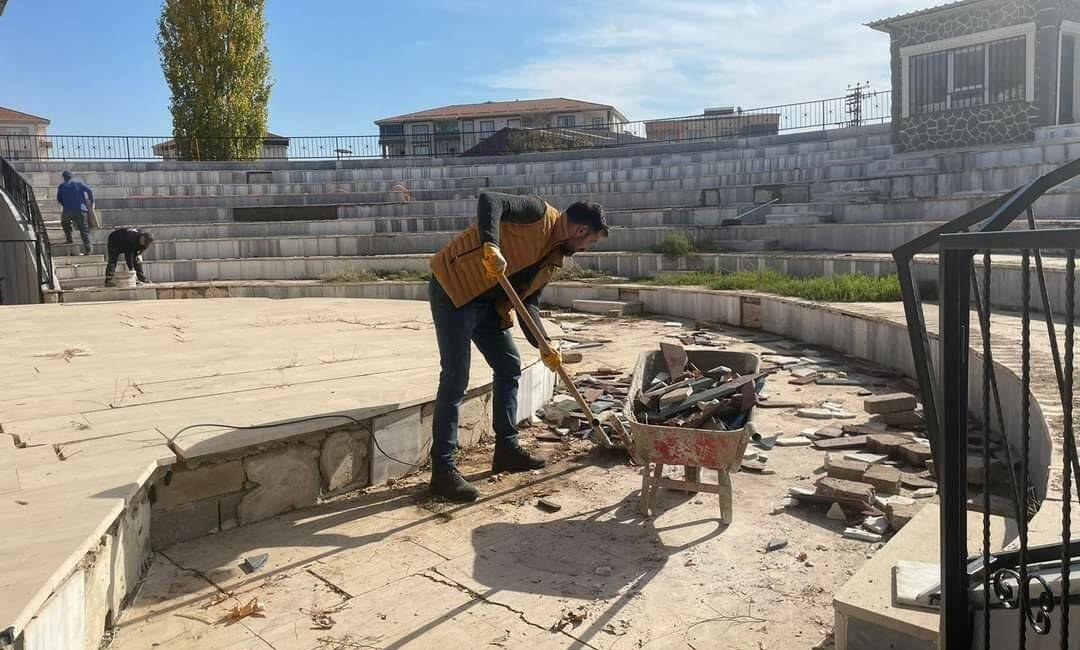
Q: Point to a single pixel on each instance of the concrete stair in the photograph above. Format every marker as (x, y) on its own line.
(799, 214)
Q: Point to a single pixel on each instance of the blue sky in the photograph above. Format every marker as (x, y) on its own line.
(91, 66)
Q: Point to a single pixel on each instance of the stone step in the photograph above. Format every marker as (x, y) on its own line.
(78, 283)
(607, 307)
(806, 218)
(744, 245)
(65, 260)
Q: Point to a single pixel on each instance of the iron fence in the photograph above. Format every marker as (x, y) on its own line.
(855, 108)
(995, 598)
(22, 196)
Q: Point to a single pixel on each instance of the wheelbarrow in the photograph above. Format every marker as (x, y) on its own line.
(655, 446)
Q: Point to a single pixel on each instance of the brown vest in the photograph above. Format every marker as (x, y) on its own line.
(459, 269)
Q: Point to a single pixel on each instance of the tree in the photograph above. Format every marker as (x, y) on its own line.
(214, 56)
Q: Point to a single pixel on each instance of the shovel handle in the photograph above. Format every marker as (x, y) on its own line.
(545, 347)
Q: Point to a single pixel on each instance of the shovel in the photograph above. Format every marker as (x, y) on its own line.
(538, 336)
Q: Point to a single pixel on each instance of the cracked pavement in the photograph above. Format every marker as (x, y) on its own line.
(390, 568)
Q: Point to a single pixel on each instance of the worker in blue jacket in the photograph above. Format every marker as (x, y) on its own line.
(76, 199)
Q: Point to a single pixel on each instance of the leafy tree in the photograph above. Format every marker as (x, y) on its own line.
(214, 56)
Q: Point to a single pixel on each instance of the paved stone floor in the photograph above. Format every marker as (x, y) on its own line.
(91, 392)
(392, 569)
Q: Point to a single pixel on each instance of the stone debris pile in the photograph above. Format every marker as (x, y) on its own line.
(683, 395)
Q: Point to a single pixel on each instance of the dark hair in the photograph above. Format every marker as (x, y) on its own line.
(588, 213)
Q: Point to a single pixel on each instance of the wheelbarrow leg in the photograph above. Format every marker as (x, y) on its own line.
(654, 493)
(645, 487)
(726, 506)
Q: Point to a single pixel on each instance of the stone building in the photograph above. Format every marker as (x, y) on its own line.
(983, 71)
(450, 130)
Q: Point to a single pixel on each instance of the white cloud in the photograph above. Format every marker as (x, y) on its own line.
(655, 58)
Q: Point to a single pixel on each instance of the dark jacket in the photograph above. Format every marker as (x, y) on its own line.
(73, 196)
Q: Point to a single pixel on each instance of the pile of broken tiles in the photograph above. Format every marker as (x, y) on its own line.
(604, 389)
(714, 399)
(874, 471)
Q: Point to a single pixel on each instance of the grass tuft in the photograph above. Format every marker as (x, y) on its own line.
(840, 288)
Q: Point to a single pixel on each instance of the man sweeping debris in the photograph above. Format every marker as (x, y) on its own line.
(129, 242)
(527, 239)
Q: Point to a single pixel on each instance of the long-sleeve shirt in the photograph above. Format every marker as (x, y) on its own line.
(127, 242)
(492, 209)
(73, 195)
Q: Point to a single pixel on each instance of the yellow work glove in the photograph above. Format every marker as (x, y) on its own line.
(494, 262)
(552, 359)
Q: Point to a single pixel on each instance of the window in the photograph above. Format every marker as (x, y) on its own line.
(421, 150)
(968, 76)
(567, 121)
(468, 133)
(421, 139)
(598, 122)
(487, 127)
(514, 123)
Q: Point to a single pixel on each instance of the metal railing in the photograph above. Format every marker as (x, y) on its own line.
(22, 195)
(855, 108)
(980, 593)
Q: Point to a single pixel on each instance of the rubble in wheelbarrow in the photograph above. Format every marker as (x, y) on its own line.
(718, 399)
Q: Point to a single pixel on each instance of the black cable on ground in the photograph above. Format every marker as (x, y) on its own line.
(313, 418)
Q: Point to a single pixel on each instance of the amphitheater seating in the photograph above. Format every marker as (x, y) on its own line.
(298, 220)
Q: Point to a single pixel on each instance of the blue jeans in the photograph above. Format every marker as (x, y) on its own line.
(455, 329)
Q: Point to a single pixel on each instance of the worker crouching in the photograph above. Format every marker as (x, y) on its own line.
(527, 239)
(129, 242)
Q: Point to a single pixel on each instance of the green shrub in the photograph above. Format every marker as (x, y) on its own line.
(676, 245)
(571, 272)
(353, 275)
(840, 288)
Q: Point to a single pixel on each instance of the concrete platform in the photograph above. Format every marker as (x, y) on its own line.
(97, 393)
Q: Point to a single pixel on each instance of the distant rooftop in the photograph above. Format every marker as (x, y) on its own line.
(11, 115)
(490, 109)
(882, 24)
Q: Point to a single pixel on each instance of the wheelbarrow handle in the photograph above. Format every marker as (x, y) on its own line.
(545, 347)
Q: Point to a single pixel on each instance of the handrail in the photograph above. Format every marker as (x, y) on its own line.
(22, 195)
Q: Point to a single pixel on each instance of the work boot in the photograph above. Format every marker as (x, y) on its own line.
(451, 485)
(110, 283)
(515, 459)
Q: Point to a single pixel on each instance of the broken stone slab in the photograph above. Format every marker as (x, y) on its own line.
(915, 482)
(839, 381)
(914, 453)
(800, 373)
(816, 413)
(781, 359)
(808, 432)
(883, 501)
(876, 524)
(828, 433)
(794, 441)
(901, 419)
(676, 359)
(781, 404)
(254, 563)
(899, 514)
(884, 479)
(842, 468)
(836, 513)
(917, 584)
(766, 443)
(719, 372)
(924, 493)
(861, 535)
(887, 443)
(676, 396)
(891, 403)
(863, 457)
(757, 467)
(837, 444)
(862, 430)
(850, 490)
